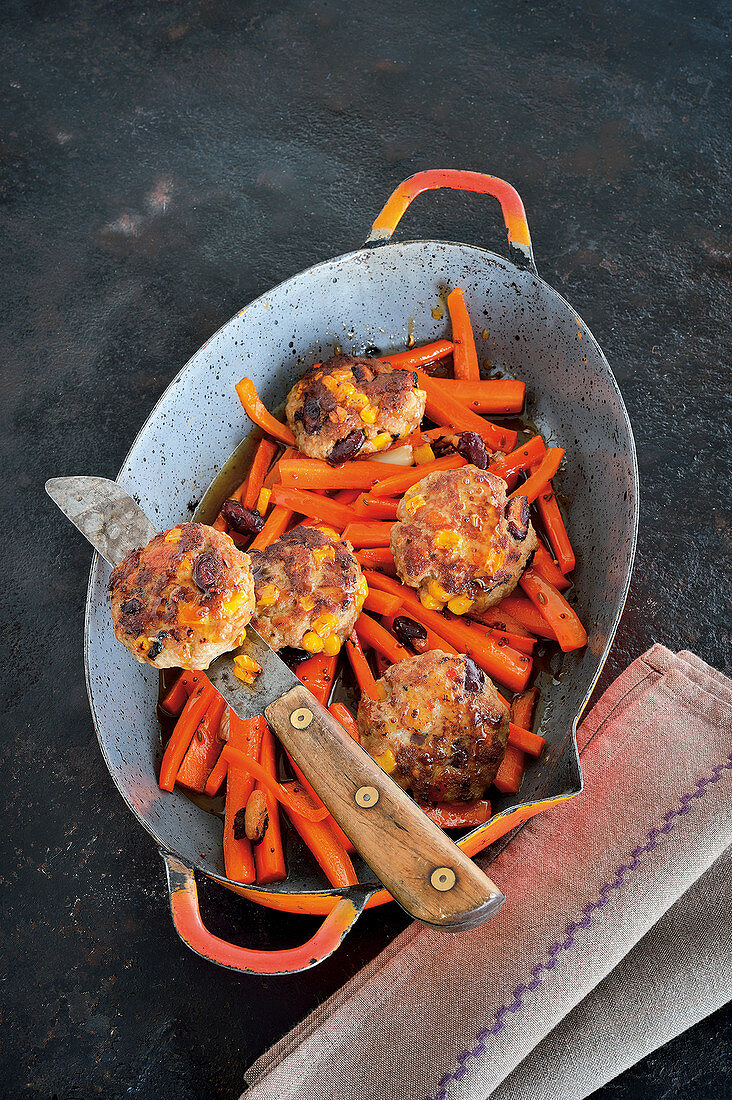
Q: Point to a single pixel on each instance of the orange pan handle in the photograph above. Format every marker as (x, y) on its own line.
(514, 215)
(191, 929)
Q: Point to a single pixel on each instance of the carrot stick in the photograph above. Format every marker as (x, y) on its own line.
(510, 773)
(541, 475)
(313, 473)
(204, 750)
(175, 699)
(522, 708)
(555, 611)
(217, 777)
(317, 674)
(448, 411)
(548, 507)
(361, 670)
(382, 603)
(419, 357)
(219, 524)
(263, 458)
(464, 355)
(525, 740)
(499, 620)
(375, 558)
(399, 483)
(458, 815)
(342, 714)
(373, 507)
(547, 568)
(316, 507)
(520, 459)
(246, 736)
(257, 412)
(274, 476)
(495, 395)
(523, 610)
(279, 790)
(516, 641)
(329, 819)
(502, 663)
(322, 842)
(346, 496)
(368, 533)
(275, 525)
(269, 857)
(183, 732)
(371, 633)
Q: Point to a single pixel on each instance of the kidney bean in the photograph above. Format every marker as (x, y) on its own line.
(474, 677)
(245, 521)
(239, 828)
(410, 633)
(472, 448)
(517, 514)
(131, 606)
(347, 448)
(256, 817)
(206, 571)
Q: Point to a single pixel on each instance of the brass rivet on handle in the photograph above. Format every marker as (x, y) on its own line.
(443, 878)
(366, 797)
(301, 718)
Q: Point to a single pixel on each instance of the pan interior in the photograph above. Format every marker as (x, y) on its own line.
(375, 299)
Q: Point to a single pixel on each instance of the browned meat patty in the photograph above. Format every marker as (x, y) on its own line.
(459, 541)
(347, 407)
(309, 590)
(441, 729)
(184, 599)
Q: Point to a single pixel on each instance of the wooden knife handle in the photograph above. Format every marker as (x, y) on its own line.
(417, 862)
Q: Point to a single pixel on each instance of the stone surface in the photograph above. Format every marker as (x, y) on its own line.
(160, 166)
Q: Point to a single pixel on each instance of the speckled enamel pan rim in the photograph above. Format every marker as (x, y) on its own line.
(630, 550)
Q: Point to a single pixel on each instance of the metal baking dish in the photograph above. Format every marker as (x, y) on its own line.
(376, 296)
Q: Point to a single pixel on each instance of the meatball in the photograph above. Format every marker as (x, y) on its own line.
(184, 599)
(309, 590)
(460, 541)
(440, 722)
(347, 407)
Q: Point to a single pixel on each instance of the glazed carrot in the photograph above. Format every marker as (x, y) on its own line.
(263, 458)
(174, 701)
(502, 663)
(219, 524)
(548, 507)
(399, 483)
(183, 733)
(448, 411)
(371, 633)
(312, 473)
(269, 857)
(342, 714)
(555, 611)
(322, 842)
(204, 750)
(510, 773)
(332, 823)
(373, 507)
(257, 412)
(499, 620)
(346, 496)
(217, 777)
(547, 568)
(458, 815)
(368, 533)
(419, 357)
(317, 674)
(281, 792)
(361, 670)
(274, 476)
(541, 475)
(517, 641)
(517, 607)
(464, 355)
(495, 395)
(316, 507)
(382, 603)
(525, 740)
(275, 525)
(375, 558)
(522, 708)
(520, 459)
(246, 736)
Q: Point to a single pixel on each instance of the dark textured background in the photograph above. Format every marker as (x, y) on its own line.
(161, 164)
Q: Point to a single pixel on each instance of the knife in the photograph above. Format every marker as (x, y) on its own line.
(428, 874)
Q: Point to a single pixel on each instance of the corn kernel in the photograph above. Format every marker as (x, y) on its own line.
(412, 503)
(362, 592)
(459, 605)
(142, 643)
(435, 589)
(423, 454)
(369, 414)
(325, 624)
(174, 535)
(345, 391)
(358, 401)
(447, 539)
(430, 602)
(263, 500)
(330, 383)
(386, 761)
(269, 595)
(307, 603)
(312, 642)
(381, 441)
(324, 553)
(234, 603)
(332, 645)
(246, 668)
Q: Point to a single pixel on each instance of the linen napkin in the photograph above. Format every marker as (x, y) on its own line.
(614, 936)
